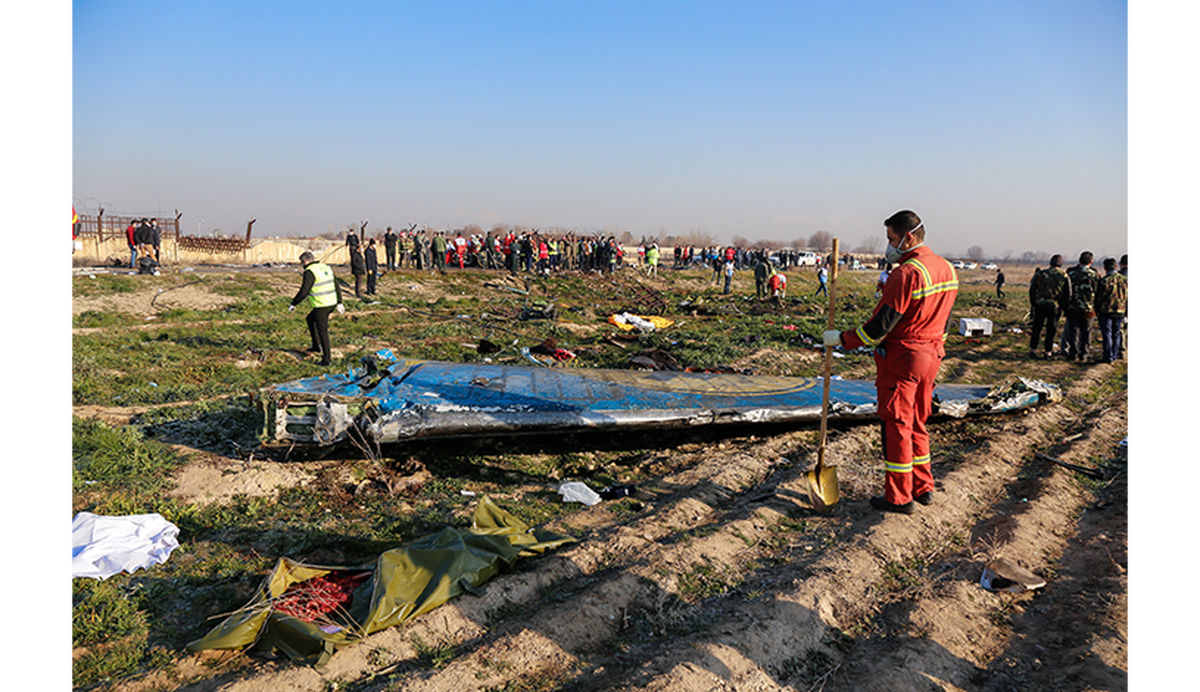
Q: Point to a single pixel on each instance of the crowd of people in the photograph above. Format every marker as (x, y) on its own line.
(1085, 298)
(144, 238)
(527, 251)
(1082, 296)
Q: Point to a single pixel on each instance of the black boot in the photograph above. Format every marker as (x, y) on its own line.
(925, 498)
(883, 504)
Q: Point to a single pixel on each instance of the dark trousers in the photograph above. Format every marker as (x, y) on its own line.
(371, 276)
(1110, 335)
(391, 258)
(1045, 316)
(728, 278)
(358, 285)
(1077, 332)
(318, 329)
(821, 288)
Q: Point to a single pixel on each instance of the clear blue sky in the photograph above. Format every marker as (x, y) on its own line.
(1002, 123)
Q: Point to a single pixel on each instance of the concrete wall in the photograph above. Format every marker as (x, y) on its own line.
(261, 251)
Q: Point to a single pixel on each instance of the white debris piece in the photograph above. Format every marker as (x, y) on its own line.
(574, 491)
(103, 546)
(974, 326)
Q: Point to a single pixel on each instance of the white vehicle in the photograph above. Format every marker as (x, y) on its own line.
(806, 258)
(990, 265)
(972, 265)
(958, 264)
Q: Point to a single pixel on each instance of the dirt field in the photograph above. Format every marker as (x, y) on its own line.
(717, 575)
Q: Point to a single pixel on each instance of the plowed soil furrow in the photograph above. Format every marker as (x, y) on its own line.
(958, 630)
(727, 581)
(775, 637)
(688, 499)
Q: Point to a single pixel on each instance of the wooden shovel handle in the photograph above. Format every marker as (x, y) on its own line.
(828, 359)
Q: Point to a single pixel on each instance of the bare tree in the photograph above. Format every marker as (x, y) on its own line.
(698, 238)
(772, 245)
(871, 245)
(975, 253)
(797, 244)
(740, 241)
(820, 241)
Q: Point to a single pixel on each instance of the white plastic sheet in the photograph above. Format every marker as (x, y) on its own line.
(574, 491)
(103, 546)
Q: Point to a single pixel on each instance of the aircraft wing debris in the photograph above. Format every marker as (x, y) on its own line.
(412, 399)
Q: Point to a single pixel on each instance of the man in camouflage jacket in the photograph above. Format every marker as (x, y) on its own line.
(1049, 293)
(1112, 296)
(1081, 310)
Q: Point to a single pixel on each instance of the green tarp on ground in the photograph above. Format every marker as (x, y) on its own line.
(402, 584)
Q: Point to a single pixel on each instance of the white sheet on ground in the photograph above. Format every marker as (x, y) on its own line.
(103, 546)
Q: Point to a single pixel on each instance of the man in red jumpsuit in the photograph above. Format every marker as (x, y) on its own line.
(908, 330)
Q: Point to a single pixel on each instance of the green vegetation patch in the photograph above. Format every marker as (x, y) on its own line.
(118, 460)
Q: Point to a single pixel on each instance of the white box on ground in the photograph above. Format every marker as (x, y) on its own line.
(974, 326)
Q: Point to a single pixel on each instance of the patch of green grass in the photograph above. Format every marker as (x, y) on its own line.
(222, 425)
(903, 576)
(705, 580)
(537, 508)
(109, 663)
(121, 460)
(104, 284)
(102, 611)
(433, 655)
(626, 507)
(94, 318)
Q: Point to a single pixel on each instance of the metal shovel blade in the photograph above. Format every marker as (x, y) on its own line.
(823, 488)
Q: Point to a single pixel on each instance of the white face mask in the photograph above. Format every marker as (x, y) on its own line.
(893, 253)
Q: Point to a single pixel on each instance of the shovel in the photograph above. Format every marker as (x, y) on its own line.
(822, 480)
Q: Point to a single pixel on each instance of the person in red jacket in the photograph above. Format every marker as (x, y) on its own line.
(132, 245)
(777, 285)
(908, 330)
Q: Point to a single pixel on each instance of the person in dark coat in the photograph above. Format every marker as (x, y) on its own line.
(389, 246)
(144, 237)
(371, 260)
(358, 268)
(155, 239)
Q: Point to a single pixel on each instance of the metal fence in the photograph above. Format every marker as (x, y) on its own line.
(104, 226)
(211, 244)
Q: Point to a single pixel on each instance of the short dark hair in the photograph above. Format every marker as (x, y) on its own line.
(906, 221)
(1085, 257)
(1124, 260)
(1110, 263)
(306, 256)
(1056, 261)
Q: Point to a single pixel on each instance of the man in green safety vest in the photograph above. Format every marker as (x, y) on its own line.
(323, 296)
